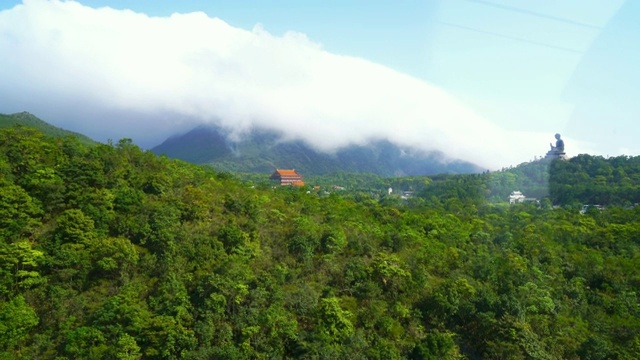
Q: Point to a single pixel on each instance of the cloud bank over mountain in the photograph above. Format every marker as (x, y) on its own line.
(115, 73)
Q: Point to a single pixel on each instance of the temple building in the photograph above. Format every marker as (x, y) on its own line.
(287, 177)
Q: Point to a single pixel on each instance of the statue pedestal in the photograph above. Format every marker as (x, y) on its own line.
(552, 154)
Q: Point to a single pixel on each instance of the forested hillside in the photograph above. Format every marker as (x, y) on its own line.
(26, 119)
(112, 252)
(595, 180)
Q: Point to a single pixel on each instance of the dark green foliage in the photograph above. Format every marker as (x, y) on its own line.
(587, 179)
(112, 252)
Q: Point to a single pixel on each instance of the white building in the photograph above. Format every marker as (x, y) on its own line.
(516, 197)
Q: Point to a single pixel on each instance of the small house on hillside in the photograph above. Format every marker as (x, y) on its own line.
(287, 177)
(516, 197)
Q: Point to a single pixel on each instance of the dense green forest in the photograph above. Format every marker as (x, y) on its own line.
(111, 252)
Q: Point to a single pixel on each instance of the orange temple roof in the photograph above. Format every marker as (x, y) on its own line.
(291, 172)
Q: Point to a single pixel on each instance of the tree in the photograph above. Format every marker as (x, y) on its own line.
(18, 212)
(17, 319)
(18, 266)
(334, 322)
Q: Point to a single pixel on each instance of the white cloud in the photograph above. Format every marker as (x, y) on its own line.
(112, 73)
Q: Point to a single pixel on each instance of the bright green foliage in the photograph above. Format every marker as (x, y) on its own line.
(18, 212)
(17, 319)
(18, 266)
(117, 256)
(75, 227)
(390, 271)
(334, 322)
(86, 343)
(111, 252)
(437, 346)
(127, 348)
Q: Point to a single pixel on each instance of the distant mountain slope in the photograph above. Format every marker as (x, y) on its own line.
(262, 151)
(27, 119)
(198, 146)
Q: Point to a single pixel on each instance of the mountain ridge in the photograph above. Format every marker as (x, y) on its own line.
(27, 119)
(263, 150)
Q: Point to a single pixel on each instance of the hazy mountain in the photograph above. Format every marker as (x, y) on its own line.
(262, 151)
(27, 119)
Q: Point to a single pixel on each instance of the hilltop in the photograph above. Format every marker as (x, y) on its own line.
(29, 120)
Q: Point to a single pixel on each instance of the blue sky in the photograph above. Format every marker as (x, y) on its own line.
(530, 67)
